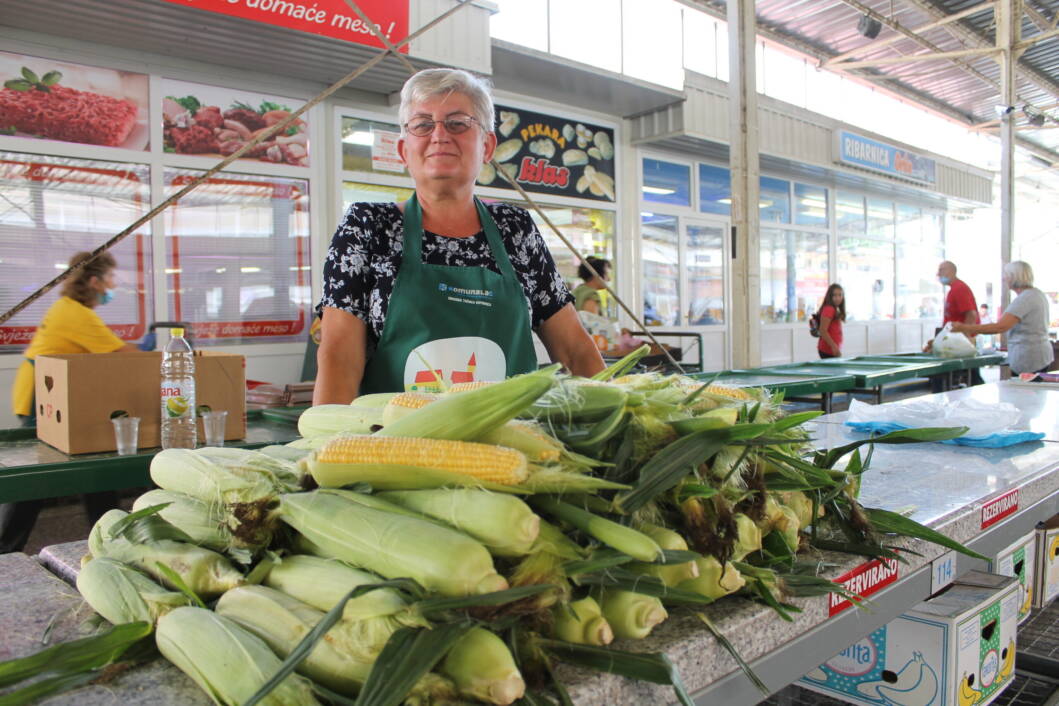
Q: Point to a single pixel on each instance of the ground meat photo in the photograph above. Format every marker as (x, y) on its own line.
(68, 114)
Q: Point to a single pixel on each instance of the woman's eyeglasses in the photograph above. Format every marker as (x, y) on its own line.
(421, 127)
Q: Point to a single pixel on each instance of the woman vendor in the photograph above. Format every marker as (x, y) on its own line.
(441, 286)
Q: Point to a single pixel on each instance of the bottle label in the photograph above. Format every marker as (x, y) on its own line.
(175, 404)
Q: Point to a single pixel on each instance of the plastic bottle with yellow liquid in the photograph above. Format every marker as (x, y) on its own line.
(178, 393)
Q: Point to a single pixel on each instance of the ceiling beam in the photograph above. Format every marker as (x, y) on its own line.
(929, 56)
(879, 43)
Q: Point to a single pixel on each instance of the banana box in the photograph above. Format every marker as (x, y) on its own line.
(955, 649)
(1020, 560)
(1047, 562)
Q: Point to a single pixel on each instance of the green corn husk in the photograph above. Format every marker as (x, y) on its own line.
(527, 437)
(393, 545)
(184, 471)
(773, 514)
(748, 537)
(205, 572)
(340, 661)
(481, 666)
(575, 401)
(225, 660)
(205, 524)
(802, 506)
(470, 415)
(714, 581)
(503, 523)
(787, 524)
(670, 574)
(285, 472)
(582, 622)
(632, 616)
(122, 594)
(323, 582)
(283, 453)
(624, 539)
(329, 419)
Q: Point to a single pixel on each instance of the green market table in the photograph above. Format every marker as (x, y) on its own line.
(795, 387)
(869, 376)
(946, 366)
(31, 469)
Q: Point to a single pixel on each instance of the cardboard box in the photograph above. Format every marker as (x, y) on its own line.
(955, 649)
(1020, 560)
(77, 393)
(1047, 565)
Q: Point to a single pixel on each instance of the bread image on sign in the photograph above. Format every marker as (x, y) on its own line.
(436, 365)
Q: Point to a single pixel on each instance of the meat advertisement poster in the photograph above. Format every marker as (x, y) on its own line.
(215, 122)
(57, 100)
(552, 155)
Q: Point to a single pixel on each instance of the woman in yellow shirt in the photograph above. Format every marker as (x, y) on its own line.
(70, 326)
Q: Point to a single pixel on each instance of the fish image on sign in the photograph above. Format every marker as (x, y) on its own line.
(438, 364)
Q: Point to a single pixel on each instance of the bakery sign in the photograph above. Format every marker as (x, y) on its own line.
(866, 153)
(552, 155)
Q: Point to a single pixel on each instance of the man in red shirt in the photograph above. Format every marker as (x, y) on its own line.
(960, 306)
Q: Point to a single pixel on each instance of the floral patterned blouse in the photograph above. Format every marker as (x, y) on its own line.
(365, 257)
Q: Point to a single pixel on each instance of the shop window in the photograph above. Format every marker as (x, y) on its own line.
(661, 270)
(353, 191)
(909, 224)
(866, 273)
(590, 230)
(715, 190)
(849, 214)
(793, 274)
(238, 258)
(774, 200)
(666, 182)
(919, 296)
(705, 268)
(370, 146)
(880, 219)
(810, 205)
(53, 207)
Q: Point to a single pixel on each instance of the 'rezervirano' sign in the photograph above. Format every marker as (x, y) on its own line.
(329, 18)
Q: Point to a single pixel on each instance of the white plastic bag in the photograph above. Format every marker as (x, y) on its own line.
(953, 345)
(980, 418)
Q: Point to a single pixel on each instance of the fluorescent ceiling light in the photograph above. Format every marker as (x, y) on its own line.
(295, 268)
(60, 266)
(359, 137)
(173, 270)
(658, 190)
(725, 201)
(646, 214)
(249, 270)
(221, 270)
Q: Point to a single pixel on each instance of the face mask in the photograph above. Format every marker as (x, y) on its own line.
(944, 280)
(106, 297)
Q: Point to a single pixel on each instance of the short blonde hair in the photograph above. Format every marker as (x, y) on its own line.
(429, 83)
(1019, 274)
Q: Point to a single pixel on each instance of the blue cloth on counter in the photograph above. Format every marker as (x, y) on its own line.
(996, 440)
(149, 343)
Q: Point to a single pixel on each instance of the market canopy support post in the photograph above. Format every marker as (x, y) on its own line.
(745, 168)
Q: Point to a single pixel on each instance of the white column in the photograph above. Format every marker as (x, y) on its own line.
(1008, 31)
(745, 326)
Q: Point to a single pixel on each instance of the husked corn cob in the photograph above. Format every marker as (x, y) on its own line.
(403, 403)
(469, 386)
(392, 545)
(396, 463)
(122, 594)
(225, 660)
(732, 393)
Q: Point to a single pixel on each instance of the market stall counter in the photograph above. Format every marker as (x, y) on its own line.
(31, 469)
(794, 387)
(956, 490)
(869, 376)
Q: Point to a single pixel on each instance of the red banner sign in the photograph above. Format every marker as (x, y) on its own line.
(330, 18)
(996, 510)
(864, 580)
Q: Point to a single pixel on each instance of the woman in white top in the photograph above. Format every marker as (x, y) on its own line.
(1025, 321)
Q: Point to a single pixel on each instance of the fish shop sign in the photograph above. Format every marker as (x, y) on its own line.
(552, 155)
(864, 152)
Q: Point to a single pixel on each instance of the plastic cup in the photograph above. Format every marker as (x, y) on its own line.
(126, 434)
(213, 427)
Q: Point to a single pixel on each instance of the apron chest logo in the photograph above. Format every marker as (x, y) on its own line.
(433, 366)
(462, 295)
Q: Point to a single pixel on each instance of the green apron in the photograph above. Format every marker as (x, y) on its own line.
(459, 324)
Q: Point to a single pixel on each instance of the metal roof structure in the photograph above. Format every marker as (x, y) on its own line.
(960, 80)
